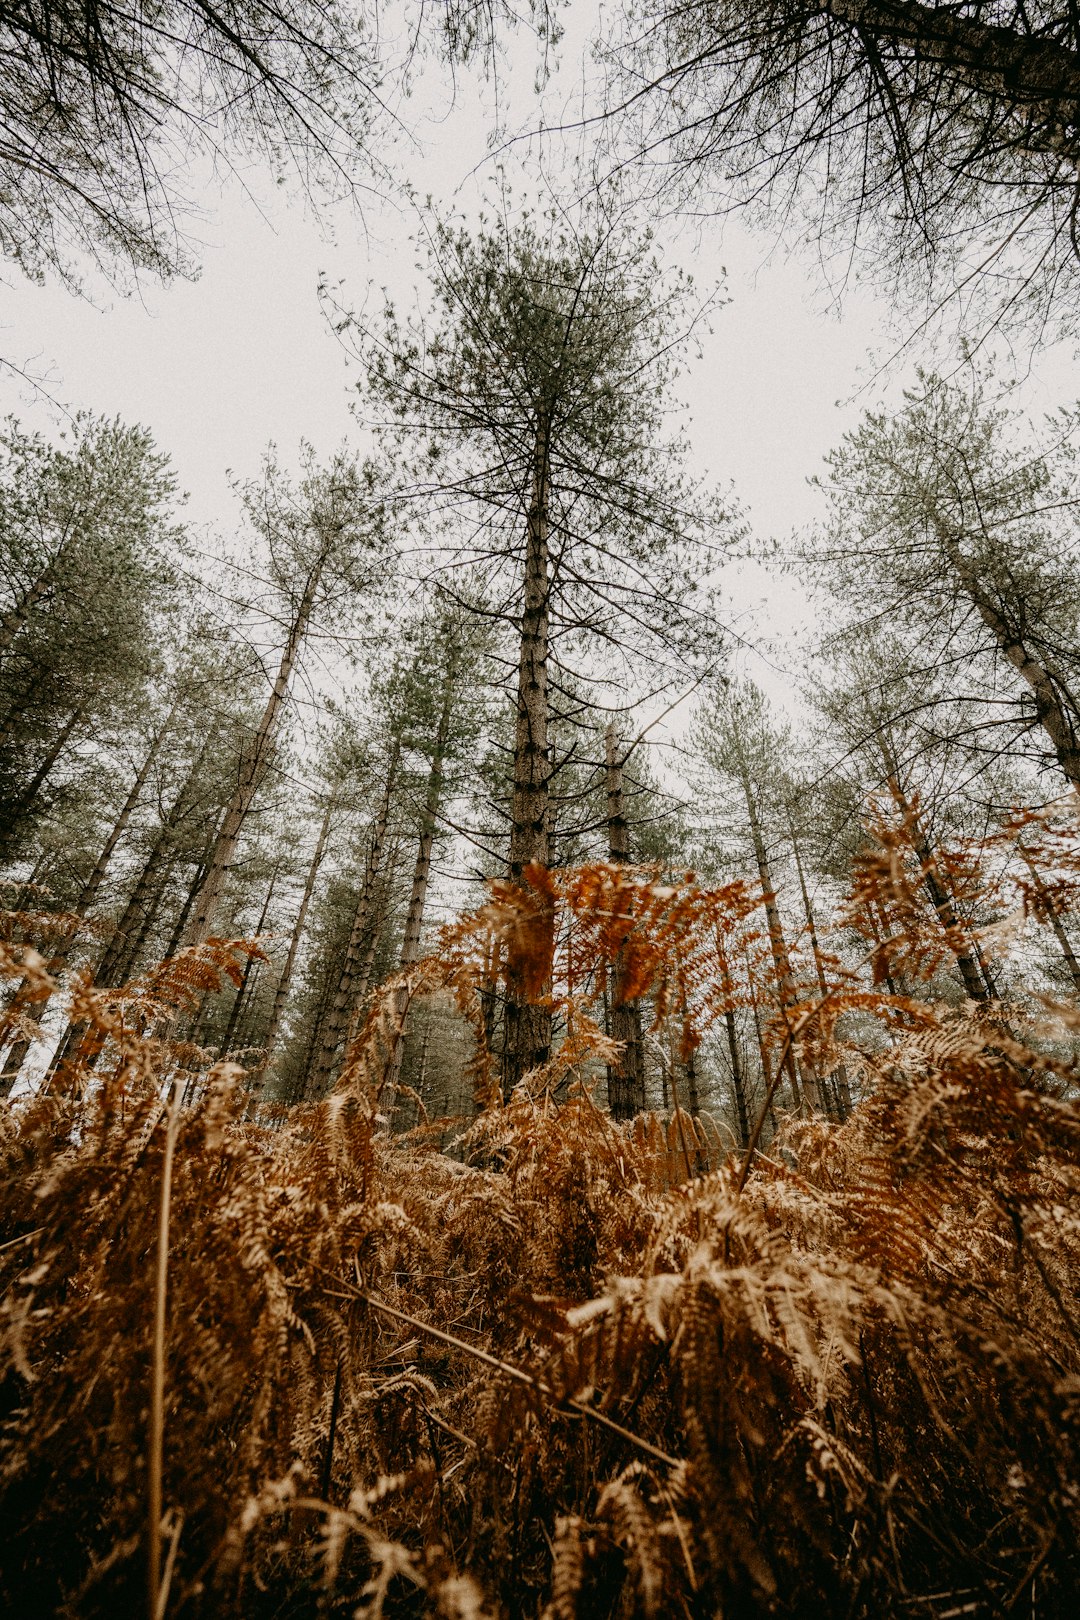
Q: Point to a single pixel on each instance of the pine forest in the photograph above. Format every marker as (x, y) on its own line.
(540, 810)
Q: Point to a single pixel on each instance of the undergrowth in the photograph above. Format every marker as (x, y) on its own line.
(839, 1375)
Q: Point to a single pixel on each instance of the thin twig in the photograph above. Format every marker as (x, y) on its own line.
(517, 1373)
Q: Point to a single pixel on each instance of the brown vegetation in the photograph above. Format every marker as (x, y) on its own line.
(570, 1371)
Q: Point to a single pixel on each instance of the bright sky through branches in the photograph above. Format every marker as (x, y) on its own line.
(218, 367)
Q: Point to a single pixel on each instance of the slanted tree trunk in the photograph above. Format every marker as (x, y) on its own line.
(1057, 718)
(17, 1054)
(14, 813)
(626, 1078)
(134, 924)
(787, 996)
(19, 612)
(1048, 909)
(336, 1022)
(245, 977)
(940, 898)
(284, 984)
(252, 768)
(527, 1027)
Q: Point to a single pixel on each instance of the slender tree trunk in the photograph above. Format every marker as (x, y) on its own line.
(842, 1094)
(134, 924)
(527, 1028)
(766, 1074)
(1050, 911)
(19, 612)
(284, 984)
(787, 995)
(414, 917)
(626, 1078)
(336, 1022)
(379, 913)
(253, 765)
(16, 616)
(1053, 714)
(28, 798)
(940, 898)
(245, 977)
(738, 1082)
(17, 1055)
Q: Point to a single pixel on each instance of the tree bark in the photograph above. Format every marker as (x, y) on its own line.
(1053, 917)
(134, 923)
(738, 1082)
(1030, 72)
(414, 917)
(786, 993)
(17, 1054)
(28, 797)
(527, 1027)
(336, 1022)
(842, 1092)
(626, 1078)
(940, 898)
(245, 978)
(253, 765)
(284, 984)
(1053, 715)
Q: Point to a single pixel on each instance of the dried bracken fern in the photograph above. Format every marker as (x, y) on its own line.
(577, 1369)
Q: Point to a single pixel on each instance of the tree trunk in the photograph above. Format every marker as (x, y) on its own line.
(28, 798)
(842, 1092)
(1053, 714)
(134, 924)
(785, 982)
(253, 765)
(527, 1028)
(626, 1078)
(284, 984)
(16, 1057)
(1023, 71)
(1053, 917)
(738, 1082)
(336, 1022)
(242, 987)
(414, 917)
(940, 898)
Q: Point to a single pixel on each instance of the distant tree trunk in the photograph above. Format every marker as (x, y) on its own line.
(787, 996)
(738, 1083)
(379, 913)
(18, 613)
(527, 1028)
(766, 1075)
(940, 898)
(1053, 714)
(252, 768)
(336, 1022)
(245, 978)
(1049, 910)
(284, 984)
(414, 917)
(842, 1093)
(134, 923)
(17, 1054)
(626, 1078)
(14, 813)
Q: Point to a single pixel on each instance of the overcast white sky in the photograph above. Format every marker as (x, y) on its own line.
(218, 367)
